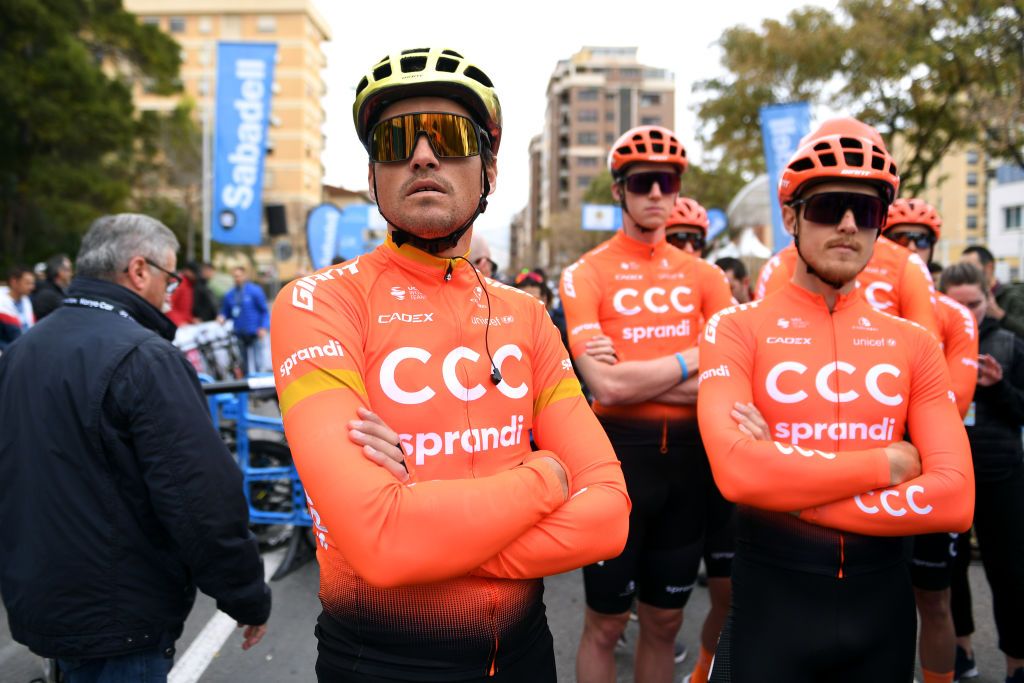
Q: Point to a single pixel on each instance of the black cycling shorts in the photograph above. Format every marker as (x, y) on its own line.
(788, 626)
(931, 567)
(535, 664)
(662, 555)
(719, 527)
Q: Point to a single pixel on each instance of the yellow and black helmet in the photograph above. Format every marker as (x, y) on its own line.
(427, 72)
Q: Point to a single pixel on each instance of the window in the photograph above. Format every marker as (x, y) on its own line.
(972, 157)
(650, 120)
(204, 86)
(629, 73)
(972, 222)
(177, 25)
(205, 25)
(650, 99)
(1012, 217)
(151, 21)
(587, 95)
(586, 115)
(609, 138)
(972, 200)
(972, 178)
(583, 181)
(266, 23)
(609, 116)
(205, 54)
(183, 54)
(586, 138)
(587, 162)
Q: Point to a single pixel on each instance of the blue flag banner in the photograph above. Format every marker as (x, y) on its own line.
(352, 230)
(601, 217)
(322, 234)
(245, 77)
(717, 222)
(782, 126)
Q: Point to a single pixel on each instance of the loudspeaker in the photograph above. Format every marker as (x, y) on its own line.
(277, 220)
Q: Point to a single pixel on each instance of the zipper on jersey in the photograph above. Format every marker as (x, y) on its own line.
(492, 669)
(664, 435)
(842, 553)
(835, 359)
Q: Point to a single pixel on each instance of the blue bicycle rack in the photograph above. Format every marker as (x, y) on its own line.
(229, 403)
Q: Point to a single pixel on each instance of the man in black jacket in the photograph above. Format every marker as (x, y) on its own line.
(49, 294)
(119, 497)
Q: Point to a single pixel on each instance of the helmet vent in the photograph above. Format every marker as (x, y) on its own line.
(415, 50)
(804, 164)
(413, 64)
(641, 148)
(878, 163)
(822, 145)
(447, 64)
(827, 159)
(854, 158)
(656, 134)
(453, 53)
(478, 75)
(382, 71)
(850, 143)
(624, 150)
(362, 85)
(657, 147)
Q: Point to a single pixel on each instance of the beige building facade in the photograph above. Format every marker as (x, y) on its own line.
(592, 98)
(293, 168)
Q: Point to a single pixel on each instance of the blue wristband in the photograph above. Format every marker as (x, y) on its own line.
(682, 364)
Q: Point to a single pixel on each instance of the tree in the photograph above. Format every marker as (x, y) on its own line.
(68, 135)
(933, 73)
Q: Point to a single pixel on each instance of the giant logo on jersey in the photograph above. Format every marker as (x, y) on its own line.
(305, 287)
(870, 382)
(629, 301)
(447, 376)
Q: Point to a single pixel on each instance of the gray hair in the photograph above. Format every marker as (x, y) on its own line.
(113, 241)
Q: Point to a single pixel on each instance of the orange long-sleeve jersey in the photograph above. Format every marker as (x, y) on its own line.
(835, 387)
(439, 575)
(895, 280)
(652, 300)
(959, 334)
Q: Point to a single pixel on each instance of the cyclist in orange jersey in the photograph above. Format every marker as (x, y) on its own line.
(435, 522)
(894, 280)
(687, 226)
(915, 225)
(650, 299)
(805, 397)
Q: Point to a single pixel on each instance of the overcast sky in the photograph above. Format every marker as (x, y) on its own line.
(518, 44)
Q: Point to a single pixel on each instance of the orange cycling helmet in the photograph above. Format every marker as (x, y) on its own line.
(845, 125)
(843, 153)
(914, 212)
(652, 144)
(690, 213)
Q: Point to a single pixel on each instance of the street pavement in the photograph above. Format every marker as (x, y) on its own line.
(288, 653)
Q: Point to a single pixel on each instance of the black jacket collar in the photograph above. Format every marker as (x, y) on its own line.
(144, 312)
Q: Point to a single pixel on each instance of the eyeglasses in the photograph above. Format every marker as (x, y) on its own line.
(173, 279)
(682, 238)
(641, 183)
(921, 240)
(529, 277)
(828, 208)
(451, 136)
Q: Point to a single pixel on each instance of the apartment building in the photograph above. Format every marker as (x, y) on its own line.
(293, 168)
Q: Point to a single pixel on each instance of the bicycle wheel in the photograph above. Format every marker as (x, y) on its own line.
(271, 496)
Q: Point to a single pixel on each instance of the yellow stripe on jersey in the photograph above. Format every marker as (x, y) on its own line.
(318, 381)
(566, 388)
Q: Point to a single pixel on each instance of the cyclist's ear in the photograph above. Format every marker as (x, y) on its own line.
(789, 219)
(370, 181)
(491, 168)
(617, 191)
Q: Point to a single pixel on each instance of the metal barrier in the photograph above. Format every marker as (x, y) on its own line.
(229, 408)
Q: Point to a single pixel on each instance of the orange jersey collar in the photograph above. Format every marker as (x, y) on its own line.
(639, 249)
(409, 255)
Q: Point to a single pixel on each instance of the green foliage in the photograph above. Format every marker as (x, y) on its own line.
(599, 191)
(935, 73)
(68, 134)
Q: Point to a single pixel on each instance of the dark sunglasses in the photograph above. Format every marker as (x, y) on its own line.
(869, 211)
(680, 240)
(451, 136)
(641, 183)
(921, 240)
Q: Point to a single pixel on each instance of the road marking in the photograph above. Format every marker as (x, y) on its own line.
(218, 629)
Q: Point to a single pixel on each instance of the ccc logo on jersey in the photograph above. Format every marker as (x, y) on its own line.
(629, 301)
(421, 377)
(789, 382)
